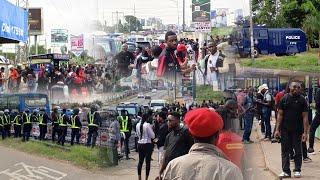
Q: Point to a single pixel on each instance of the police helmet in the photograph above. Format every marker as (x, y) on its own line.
(76, 111)
(15, 111)
(42, 109)
(6, 111)
(35, 111)
(27, 110)
(93, 107)
(1, 113)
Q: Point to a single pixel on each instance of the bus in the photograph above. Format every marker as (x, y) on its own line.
(23, 101)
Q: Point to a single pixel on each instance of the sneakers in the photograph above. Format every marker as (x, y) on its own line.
(284, 175)
(297, 174)
(247, 142)
(307, 160)
(311, 151)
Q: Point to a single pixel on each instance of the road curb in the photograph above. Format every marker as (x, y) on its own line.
(267, 162)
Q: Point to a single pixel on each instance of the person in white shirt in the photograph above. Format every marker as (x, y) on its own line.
(145, 147)
(211, 68)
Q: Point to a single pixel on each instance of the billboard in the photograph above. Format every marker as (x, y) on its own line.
(35, 21)
(221, 18)
(13, 23)
(77, 44)
(59, 36)
(200, 10)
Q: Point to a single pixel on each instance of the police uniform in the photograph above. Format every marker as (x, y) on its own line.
(93, 125)
(17, 123)
(55, 124)
(42, 122)
(63, 119)
(27, 125)
(2, 123)
(75, 128)
(125, 128)
(7, 125)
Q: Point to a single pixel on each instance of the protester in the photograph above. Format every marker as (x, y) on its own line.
(145, 147)
(178, 141)
(210, 162)
(292, 128)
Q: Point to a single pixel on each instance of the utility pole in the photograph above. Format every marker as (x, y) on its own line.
(251, 32)
(184, 15)
(117, 19)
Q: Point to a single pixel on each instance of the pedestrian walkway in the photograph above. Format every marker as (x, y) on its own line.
(272, 155)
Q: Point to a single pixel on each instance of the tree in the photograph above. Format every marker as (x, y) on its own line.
(133, 23)
(311, 25)
(41, 50)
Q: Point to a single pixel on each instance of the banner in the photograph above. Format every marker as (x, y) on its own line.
(13, 23)
(77, 44)
(35, 21)
(200, 10)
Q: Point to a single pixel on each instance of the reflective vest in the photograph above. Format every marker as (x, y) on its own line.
(2, 121)
(61, 120)
(28, 117)
(91, 120)
(73, 122)
(124, 124)
(17, 120)
(6, 119)
(40, 119)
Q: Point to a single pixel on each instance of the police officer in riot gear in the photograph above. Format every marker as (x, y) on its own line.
(27, 125)
(42, 121)
(63, 120)
(17, 122)
(75, 126)
(2, 123)
(125, 129)
(55, 124)
(94, 122)
(7, 125)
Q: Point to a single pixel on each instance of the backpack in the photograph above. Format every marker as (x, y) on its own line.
(273, 102)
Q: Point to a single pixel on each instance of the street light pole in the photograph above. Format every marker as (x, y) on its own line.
(251, 32)
(184, 16)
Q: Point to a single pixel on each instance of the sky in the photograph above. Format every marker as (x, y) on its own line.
(75, 15)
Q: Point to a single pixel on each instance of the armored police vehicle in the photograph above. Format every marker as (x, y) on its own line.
(278, 41)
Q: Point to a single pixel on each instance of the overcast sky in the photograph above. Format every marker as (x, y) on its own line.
(75, 15)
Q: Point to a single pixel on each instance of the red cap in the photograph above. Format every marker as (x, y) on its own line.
(203, 122)
(181, 47)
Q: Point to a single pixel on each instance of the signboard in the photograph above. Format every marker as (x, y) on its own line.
(13, 23)
(202, 26)
(221, 18)
(59, 36)
(77, 44)
(35, 21)
(200, 10)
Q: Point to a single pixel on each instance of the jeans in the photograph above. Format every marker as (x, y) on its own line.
(314, 125)
(291, 140)
(92, 136)
(3, 133)
(248, 121)
(145, 152)
(125, 141)
(26, 132)
(266, 115)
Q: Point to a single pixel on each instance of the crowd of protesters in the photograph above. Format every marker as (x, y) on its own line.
(79, 79)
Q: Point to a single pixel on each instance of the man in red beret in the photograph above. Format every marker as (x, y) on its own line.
(204, 160)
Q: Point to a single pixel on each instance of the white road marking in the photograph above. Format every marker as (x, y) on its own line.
(27, 172)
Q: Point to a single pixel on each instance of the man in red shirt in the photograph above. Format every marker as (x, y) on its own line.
(13, 77)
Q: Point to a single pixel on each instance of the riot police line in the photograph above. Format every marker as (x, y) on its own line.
(26, 124)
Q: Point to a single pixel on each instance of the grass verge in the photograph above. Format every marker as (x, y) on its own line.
(89, 158)
(206, 93)
(306, 62)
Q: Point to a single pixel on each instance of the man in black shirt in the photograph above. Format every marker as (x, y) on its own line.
(124, 58)
(178, 142)
(292, 127)
(162, 134)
